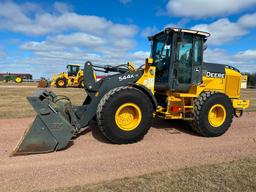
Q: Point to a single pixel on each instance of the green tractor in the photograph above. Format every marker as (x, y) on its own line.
(15, 77)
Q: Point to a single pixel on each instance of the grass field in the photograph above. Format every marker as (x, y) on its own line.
(13, 102)
(250, 94)
(233, 176)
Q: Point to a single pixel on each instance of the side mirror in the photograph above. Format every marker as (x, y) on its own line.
(205, 46)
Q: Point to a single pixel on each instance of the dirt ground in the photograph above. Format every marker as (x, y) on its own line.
(169, 145)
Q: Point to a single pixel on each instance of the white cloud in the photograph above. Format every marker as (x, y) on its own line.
(57, 60)
(122, 30)
(148, 31)
(161, 12)
(63, 42)
(81, 40)
(62, 7)
(125, 2)
(78, 39)
(140, 55)
(124, 44)
(2, 53)
(248, 20)
(41, 46)
(249, 54)
(204, 8)
(245, 60)
(222, 31)
(75, 38)
(9, 9)
(44, 22)
(217, 56)
(67, 37)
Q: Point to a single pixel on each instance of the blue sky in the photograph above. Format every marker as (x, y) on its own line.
(42, 37)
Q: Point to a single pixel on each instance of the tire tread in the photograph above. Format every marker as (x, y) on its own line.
(198, 104)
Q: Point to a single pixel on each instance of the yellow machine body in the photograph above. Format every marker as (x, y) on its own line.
(72, 80)
(180, 104)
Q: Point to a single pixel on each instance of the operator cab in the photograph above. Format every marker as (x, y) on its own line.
(73, 69)
(178, 58)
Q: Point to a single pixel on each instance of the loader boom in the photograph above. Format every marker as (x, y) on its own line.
(57, 121)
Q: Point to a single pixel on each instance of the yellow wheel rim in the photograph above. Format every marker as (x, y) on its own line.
(217, 115)
(18, 80)
(61, 83)
(128, 116)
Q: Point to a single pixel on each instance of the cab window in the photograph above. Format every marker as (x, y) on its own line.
(183, 69)
(161, 53)
(197, 49)
(73, 70)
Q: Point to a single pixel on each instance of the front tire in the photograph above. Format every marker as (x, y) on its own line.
(124, 115)
(61, 83)
(213, 114)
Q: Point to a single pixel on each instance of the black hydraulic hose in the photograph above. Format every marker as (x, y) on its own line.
(109, 68)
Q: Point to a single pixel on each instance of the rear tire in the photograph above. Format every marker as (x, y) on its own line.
(81, 83)
(213, 114)
(124, 115)
(61, 83)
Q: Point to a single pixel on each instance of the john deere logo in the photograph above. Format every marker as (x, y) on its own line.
(215, 75)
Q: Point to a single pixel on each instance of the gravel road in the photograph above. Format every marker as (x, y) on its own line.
(168, 145)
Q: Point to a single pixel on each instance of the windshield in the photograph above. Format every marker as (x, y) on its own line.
(161, 54)
(161, 48)
(73, 70)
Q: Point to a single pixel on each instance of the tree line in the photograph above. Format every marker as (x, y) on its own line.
(251, 79)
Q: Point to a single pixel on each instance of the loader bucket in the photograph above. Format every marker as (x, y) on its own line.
(49, 132)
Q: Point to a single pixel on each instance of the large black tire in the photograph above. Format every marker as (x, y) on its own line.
(81, 83)
(203, 105)
(109, 106)
(61, 83)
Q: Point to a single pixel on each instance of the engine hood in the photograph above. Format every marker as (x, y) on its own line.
(215, 70)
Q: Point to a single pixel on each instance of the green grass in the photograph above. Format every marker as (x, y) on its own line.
(251, 95)
(13, 102)
(233, 176)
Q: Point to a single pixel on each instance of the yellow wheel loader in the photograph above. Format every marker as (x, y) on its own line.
(72, 78)
(174, 83)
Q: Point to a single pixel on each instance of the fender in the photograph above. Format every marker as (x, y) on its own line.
(148, 93)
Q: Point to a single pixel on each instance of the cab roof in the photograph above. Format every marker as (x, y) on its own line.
(179, 30)
(73, 65)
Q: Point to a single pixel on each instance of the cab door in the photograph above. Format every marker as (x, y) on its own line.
(188, 62)
(197, 60)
